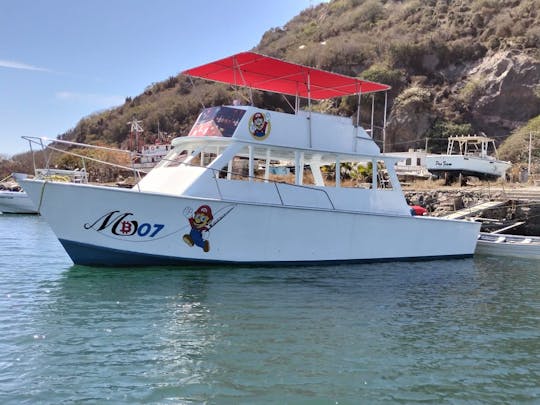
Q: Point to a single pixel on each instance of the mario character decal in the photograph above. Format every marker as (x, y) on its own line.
(200, 222)
(259, 126)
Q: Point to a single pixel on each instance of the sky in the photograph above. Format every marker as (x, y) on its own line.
(61, 60)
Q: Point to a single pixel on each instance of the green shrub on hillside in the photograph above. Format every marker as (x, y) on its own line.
(441, 130)
(516, 147)
(470, 92)
(383, 73)
(414, 96)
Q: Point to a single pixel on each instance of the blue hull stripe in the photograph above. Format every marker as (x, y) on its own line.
(90, 255)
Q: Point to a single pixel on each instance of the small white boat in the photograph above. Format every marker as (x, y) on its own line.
(469, 156)
(206, 202)
(412, 165)
(151, 155)
(527, 247)
(18, 202)
(147, 156)
(13, 199)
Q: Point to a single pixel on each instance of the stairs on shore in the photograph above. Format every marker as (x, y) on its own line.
(529, 193)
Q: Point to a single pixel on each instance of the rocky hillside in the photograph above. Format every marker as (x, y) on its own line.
(456, 67)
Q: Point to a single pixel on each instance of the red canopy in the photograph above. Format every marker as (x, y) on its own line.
(249, 69)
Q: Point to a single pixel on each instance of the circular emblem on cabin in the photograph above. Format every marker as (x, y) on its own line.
(259, 126)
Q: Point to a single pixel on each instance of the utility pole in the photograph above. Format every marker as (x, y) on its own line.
(530, 153)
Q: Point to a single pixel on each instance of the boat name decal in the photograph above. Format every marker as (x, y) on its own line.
(443, 163)
(119, 224)
(259, 126)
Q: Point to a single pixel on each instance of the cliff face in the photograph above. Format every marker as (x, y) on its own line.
(508, 91)
(496, 94)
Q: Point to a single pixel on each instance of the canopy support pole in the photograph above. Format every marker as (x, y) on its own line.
(372, 111)
(309, 109)
(384, 121)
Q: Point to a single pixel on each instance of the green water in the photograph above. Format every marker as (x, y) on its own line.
(463, 331)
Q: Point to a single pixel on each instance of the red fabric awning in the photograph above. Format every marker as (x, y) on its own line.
(249, 69)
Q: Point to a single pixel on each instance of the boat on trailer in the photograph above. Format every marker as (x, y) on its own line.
(470, 155)
(214, 200)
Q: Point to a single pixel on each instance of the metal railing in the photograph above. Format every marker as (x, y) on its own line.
(47, 144)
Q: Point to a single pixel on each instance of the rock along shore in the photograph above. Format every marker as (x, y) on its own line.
(519, 204)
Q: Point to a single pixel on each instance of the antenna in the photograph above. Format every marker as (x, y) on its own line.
(134, 131)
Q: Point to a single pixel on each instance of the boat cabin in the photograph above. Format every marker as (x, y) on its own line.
(230, 151)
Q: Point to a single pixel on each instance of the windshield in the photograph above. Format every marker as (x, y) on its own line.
(217, 121)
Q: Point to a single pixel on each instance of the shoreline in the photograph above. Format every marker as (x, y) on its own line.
(519, 203)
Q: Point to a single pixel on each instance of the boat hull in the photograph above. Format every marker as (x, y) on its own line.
(467, 166)
(16, 202)
(527, 247)
(118, 227)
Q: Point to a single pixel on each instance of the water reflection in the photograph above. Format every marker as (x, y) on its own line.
(114, 330)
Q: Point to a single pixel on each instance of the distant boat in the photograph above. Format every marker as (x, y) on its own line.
(14, 200)
(469, 156)
(412, 165)
(527, 247)
(148, 155)
(151, 155)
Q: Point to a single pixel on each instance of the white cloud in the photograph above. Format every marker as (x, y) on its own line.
(91, 98)
(11, 64)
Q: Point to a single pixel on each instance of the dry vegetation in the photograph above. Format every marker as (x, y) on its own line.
(415, 46)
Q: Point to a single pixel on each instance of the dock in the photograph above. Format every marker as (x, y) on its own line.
(466, 212)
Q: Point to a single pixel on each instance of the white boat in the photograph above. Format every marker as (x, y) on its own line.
(13, 200)
(148, 155)
(151, 155)
(18, 202)
(469, 156)
(496, 244)
(412, 165)
(206, 203)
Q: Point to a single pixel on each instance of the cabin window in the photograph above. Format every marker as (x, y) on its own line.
(262, 164)
(174, 158)
(197, 157)
(382, 178)
(355, 174)
(217, 121)
(347, 174)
